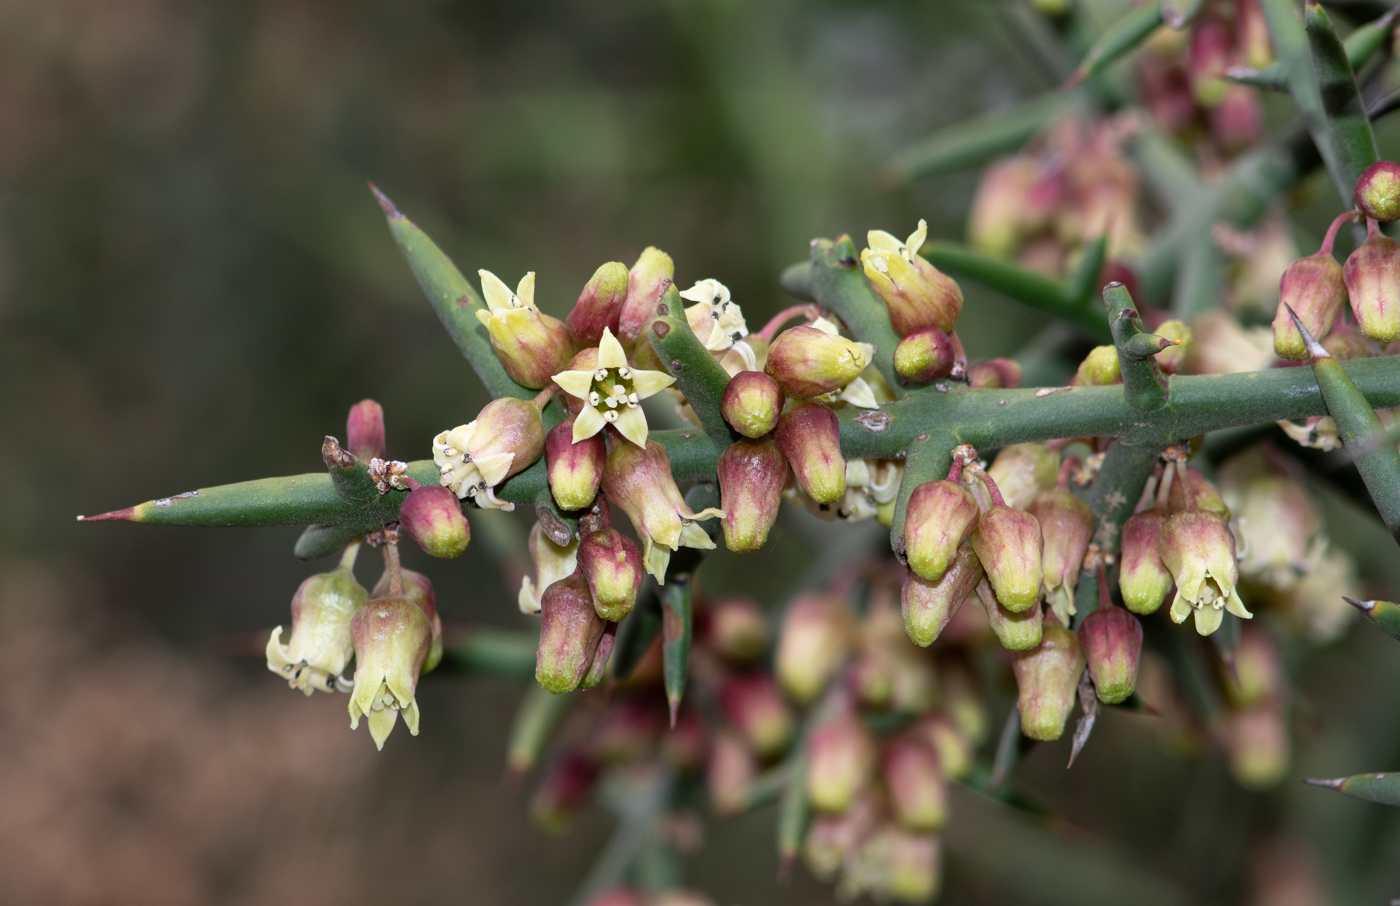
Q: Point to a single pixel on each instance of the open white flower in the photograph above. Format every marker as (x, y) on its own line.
(470, 475)
(612, 392)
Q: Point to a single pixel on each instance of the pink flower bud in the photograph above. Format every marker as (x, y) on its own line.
(1377, 191)
(1066, 528)
(417, 588)
(995, 374)
(816, 638)
(599, 306)
(1008, 542)
(364, 430)
(1256, 741)
(563, 791)
(894, 864)
(639, 481)
(941, 515)
(834, 840)
(598, 667)
(1238, 120)
(393, 638)
(575, 467)
(924, 355)
(751, 478)
(1372, 275)
(684, 747)
(810, 437)
(432, 516)
(928, 607)
(752, 403)
(1199, 550)
(737, 629)
(1211, 52)
(808, 362)
(1015, 631)
(570, 630)
(647, 282)
(1279, 527)
(1001, 210)
(1258, 676)
(611, 563)
(1313, 287)
(321, 646)
(916, 293)
(1023, 471)
(1112, 642)
(840, 762)
(1143, 577)
(1047, 678)
(730, 770)
(918, 796)
(755, 707)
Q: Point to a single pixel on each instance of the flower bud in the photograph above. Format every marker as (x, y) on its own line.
(618, 896)
(1313, 287)
(611, 563)
(753, 704)
(914, 777)
(998, 218)
(321, 645)
(598, 667)
(552, 563)
(570, 630)
(1111, 639)
(1022, 471)
(1372, 275)
(364, 430)
(752, 403)
(685, 745)
(1258, 675)
(833, 840)
(1047, 678)
(575, 467)
(1256, 741)
(1015, 631)
(1143, 579)
(924, 355)
(954, 748)
(840, 762)
(432, 516)
(940, 516)
(807, 361)
(810, 438)
(995, 374)
(751, 478)
(531, 345)
(1066, 527)
(564, 789)
(1099, 368)
(928, 607)
(417, 588)
(1377, 191)
(815, 640)
(393, 638)
(894, 864)
(1008, 542)
(1199, 550)
(639, 481)
(647, 282)
(599, 305)
(1278, 525)
(737, 629)
(505, 438)
(628, 731)
(1173, 358)
(728, 773)
(916, 293)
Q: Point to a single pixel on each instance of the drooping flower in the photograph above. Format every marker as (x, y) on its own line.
(552, 563)
(611, 392)
(638, 480)
(1199, 550)
(531, 345)
(507, 437)
(392, 640)
(320, 647)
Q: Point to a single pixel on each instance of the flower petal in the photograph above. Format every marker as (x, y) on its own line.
(574, 383)
(657, 559)
(1181, 608)
(498, 295)
(381, 724)
(859, 394)
(647, 383)
(1208, 619)
(692, 535)
(494, 467)
(610, 352)
(632, 424)
(825, 326)
(916, 239)
(525, 294)
(879, 239)
(529, 597)
(1236, 606)
(588, 423)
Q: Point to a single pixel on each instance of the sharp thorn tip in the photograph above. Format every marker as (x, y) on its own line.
(1329, 784)
(1363, 606)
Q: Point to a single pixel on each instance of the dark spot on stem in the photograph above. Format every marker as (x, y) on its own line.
(661, 328)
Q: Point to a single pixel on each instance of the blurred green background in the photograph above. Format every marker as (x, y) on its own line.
(195, 285)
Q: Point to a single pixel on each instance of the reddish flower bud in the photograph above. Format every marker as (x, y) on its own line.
(598, 666)
(1022, 471)
(1313, 287)
(954, 747)
(1002, 205)
(1372, 275)
(685, 745)
(1066, 528)
(730, 770)
(1047, 678)
(1238, 120)
(599, 305)
(575, 468)
(914, 777)
(618, 896)
(925, 355)
(810, 438)
(840, 762)
(928, 607)
(417, 588)
(1143, 578)
(751, 478)
(612, 564)
(1008, 542)
(647, 282)
(1377, 191)
(751, 403)
(938, 519)
(808, 362)
(570, 630)
(564, 790)
(753, 704)
(995, 374)
(815, 640)
(833, 840)
(1015, 631)
(1112, 642)
(737, 629)
(432, 516)
(364, 430)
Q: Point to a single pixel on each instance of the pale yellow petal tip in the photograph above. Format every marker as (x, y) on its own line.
(632, 424)
(610, 351)
(588, 423)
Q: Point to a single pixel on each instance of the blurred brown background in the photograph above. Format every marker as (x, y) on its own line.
(195, 285)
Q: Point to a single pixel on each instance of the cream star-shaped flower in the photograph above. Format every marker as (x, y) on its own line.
(504, 306)
(611, 393)
(717, 321)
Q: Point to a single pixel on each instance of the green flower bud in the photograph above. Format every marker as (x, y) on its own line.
(392, 640)
(918, 795)
(364, 430)
(570, 630)
(1111, 639)
(1008, 542)
(1372, 275)
(995, 374)
(928, 607)
(321, 645)
(1193, 491)
(840, 762)
(1099, 368)
(575, 467)
(1256, 741)
(894, 864)
(1377, 191)
(940, 516)
(737, 629)
(924, 355)
(752, 403)
(751, 478)
(1066, 527)
(564, 790)
(1258, 676)
(810, 437)
(1022, 471)
(611, 563)
(954, 748)
(752, 703)
(815, 640)
(1047, 678)
(1143, 578)
(1015, 631)
(1173, 358)
(807, 361)
(647, 282)
(1314, 288)
(599, 306)
(432, 516)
